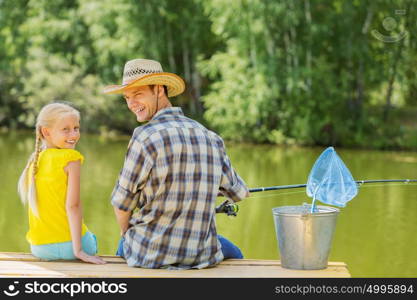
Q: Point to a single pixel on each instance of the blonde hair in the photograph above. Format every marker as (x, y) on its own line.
(48, 115)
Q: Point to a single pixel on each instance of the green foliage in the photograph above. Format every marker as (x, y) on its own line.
(305, 71)
(51, 78)
(286, 72)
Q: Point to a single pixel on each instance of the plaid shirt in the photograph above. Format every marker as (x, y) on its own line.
(173, 171)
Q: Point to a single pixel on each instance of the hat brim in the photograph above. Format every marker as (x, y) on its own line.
(173, 82)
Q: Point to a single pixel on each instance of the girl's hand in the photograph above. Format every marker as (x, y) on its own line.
(89, 258)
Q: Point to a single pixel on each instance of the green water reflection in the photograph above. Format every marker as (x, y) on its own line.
(375, 234)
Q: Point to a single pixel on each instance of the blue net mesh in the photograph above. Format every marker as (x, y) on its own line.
(330, 181)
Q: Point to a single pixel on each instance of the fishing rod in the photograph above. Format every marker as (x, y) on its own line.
(231, 209)
(294, 186)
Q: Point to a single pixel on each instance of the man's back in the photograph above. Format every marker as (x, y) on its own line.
(173, 172)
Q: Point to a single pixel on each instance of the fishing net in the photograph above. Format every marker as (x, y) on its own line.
(330, 181)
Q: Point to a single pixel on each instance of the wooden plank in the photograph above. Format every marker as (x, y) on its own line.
(18, 256)
(56, 269)
(25, 265)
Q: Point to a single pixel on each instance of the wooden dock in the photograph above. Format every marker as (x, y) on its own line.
(25, 265)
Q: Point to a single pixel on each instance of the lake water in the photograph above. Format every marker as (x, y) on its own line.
(375, 234)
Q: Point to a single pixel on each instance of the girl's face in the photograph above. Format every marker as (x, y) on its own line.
(64, 134)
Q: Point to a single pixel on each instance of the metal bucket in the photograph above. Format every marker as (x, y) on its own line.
(304, 238)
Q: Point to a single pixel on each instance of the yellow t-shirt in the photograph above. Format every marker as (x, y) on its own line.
(51, 189)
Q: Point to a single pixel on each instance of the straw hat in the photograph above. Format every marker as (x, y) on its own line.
(139, 72)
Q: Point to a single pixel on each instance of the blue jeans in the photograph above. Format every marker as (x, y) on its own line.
(229, 249)
(64, 250)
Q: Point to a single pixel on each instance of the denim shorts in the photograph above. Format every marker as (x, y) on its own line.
(64, 250)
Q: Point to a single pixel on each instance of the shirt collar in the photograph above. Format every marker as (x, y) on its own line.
(168, 111)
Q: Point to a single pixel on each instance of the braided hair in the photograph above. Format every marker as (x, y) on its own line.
(48, 115)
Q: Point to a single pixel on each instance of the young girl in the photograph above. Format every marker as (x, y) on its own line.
(50, 183)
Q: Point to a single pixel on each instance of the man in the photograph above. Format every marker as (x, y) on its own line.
(164, 199)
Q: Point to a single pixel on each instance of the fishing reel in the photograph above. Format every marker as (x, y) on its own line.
(228, 208)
